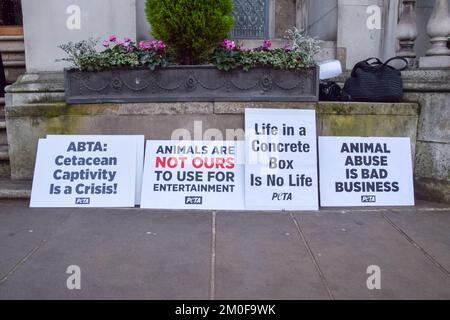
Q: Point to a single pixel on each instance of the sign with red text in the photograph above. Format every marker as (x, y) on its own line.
(193, 175)
(356, 171)
(85, 171)
(281, 159)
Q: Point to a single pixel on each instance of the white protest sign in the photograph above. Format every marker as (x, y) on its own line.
(193, 175)
(356, 171)
(140, 144)
(281, 159)
(85, 171)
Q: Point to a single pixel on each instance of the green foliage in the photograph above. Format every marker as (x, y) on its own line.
(191, 28)
(297, 54)
(229, 58)
(84, 56)
(301, 42)
(80, 51)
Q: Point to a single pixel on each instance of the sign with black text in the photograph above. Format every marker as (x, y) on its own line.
(140, 144)
(193, 175)
(85, 171)
(281, 159)
(356, 171)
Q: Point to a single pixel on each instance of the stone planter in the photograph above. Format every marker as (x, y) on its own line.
(191, 83)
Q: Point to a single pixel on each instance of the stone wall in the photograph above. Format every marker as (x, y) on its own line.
(431, 89)
(49, 23)
(35, 108)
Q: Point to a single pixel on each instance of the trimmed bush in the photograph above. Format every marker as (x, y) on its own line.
(192, 29)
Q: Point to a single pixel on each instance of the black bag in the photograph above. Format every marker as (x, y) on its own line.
(375, 82)
(329, 91)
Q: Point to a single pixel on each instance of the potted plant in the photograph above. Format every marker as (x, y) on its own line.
(192, 61)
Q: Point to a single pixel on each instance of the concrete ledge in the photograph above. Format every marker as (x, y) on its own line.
(54, 109)
(36, 107)
(224, 108)
(26, 123)
(15, 189)
(433, 160)
(368, 108)
(432, 189)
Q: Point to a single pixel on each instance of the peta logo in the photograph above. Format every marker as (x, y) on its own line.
(193, 200)
(82, 200)
(368, 199)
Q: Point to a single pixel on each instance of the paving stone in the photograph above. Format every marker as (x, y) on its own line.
(346, 244)
(123, 254)
(261, 256)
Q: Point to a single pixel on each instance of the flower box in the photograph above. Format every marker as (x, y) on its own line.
(191, 83)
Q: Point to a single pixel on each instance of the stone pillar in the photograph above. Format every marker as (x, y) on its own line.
(285, 19)
(360, 29)
(143, 28)
(407, 31)
(302, 14)
(49, 23)
(438, 28)
(390, 45)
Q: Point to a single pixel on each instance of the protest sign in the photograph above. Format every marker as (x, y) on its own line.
(193, 175)
(281, 159)
(85, 171)
(356, 171)
(140, 144)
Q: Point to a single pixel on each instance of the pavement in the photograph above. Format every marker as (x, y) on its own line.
(153, 254)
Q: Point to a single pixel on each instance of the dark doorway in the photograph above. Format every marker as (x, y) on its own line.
(10, 13)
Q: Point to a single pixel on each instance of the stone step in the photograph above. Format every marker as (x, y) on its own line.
(12, 49)
(5, 169)
(13, 69)
(12, 43)
(4, 155)
(13, 56)
(10, 189)
(3, 139)
(2, 108)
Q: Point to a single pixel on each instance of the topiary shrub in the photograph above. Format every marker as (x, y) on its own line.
(191, 28)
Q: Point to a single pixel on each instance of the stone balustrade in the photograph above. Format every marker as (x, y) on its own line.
(438, 29)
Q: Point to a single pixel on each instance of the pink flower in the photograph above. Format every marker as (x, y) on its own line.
(229, 44)
(143, 45)
(112, 38)
(127, 39)
(106, 44)
(126, 45)
(287, 46)
(267, 44)
(161, 45)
